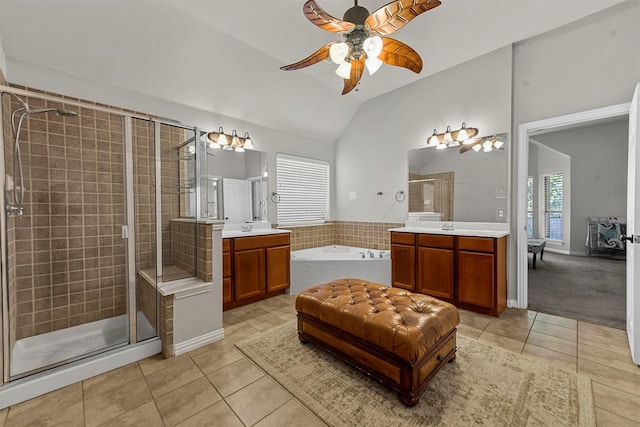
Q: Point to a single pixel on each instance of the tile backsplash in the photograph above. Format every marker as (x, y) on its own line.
(370, 235)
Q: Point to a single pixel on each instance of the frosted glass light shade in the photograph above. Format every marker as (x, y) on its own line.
(372, 46)
(222, 138)
(433, 139)
(373, 65)
(248, 144)
(447, 136)
(477, 147)
(497, 144)
(486, 146)
(338, 51)
(344, 70)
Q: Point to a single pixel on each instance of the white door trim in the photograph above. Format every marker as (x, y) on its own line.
(523, 170)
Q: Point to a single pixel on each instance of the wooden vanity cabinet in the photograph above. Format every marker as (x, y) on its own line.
(469, 272)
(260, 268)
(436, 255)
(227, 293)
(403, 260)
(482, 270)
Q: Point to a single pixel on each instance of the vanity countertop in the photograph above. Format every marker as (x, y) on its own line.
(454, 232)
(228, 234)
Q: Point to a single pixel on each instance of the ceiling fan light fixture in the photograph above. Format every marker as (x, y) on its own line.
(373, 64)
(338, 52)
(372, 46)
(344, 70)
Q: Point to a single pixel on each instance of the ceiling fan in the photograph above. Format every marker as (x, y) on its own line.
(365, 43)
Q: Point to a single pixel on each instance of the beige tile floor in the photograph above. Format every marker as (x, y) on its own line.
(216, 385)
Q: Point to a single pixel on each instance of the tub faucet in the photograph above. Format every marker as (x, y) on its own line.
(370, 254)
(247, 228)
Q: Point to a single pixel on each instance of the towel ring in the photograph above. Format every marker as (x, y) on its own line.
(275, 198)
(400, 196)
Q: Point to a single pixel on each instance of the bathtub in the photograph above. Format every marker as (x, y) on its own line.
(321, 265)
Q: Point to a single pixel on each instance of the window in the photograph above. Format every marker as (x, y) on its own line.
(303, 190)
(530, 207)
(553, 205)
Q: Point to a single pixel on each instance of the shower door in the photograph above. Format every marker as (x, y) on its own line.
(66, 259)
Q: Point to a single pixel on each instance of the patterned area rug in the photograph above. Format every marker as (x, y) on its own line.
(483, 386)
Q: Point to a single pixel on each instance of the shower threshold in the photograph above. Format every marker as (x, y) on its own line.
(65, 345)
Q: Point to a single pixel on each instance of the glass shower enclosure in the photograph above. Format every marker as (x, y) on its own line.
(91, 199)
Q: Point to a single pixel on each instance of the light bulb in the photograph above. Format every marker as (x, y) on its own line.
(248, 144)
(344, 70)
(338, 51)
(433, 139)
(222, 138)
(486, 146)
(463, 136)
(372, 46)
(373, 65)
(447, 136)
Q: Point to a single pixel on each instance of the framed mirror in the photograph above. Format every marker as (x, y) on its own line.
(462, 184)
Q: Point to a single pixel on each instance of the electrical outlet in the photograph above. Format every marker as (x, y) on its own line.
(501, 213)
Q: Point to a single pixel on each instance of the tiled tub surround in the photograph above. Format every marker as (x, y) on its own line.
(372, 235)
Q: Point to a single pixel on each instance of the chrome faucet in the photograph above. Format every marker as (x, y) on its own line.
(370, 253)
(447, 226)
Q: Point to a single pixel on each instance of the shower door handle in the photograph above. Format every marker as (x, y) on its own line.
(125, 232)
(632, 238)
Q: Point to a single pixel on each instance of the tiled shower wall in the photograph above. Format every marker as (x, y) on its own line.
(70, 265)
(170, 138)
(370, 235)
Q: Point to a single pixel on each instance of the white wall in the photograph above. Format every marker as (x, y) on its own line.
(547, 161)
(371, 154)
(598, 173)
(3, 59)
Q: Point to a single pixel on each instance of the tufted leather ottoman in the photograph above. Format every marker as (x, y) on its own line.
(399, 337)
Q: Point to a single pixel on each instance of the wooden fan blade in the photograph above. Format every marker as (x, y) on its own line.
(317, 56)
(399, 54)
(357, 68)
(322, 19)
(395, 15)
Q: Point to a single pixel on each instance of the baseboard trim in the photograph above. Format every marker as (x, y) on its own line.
(197, 342)
(512, 303)
(557, 251)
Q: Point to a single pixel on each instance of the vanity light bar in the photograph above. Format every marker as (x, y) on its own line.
(220, 139)
(451, 138)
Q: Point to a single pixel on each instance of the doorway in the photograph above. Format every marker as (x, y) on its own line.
(577, 206)
(524, 132)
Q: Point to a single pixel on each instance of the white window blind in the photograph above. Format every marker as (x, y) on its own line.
(553, 206)
(303, 190)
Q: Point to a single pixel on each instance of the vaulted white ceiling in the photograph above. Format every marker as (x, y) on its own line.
(224, 56)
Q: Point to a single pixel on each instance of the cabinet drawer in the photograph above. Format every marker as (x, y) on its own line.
(436, 241)
(226, 245)
(254, 242)
(478, 244)
(403, 238)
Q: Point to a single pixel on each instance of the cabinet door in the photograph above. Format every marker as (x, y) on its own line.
(403, 267)
(226, 290)
(249, 275)
(277, 268)
(476, 278)
(435, 272)
(226, 264)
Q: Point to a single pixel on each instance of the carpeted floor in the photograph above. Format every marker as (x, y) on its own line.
(583, 288)
(484, 386)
